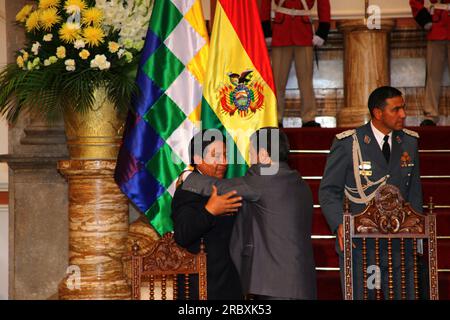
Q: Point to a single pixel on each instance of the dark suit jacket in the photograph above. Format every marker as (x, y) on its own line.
(192, 222)
(271, 242)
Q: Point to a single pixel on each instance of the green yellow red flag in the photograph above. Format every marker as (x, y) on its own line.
(239, 91)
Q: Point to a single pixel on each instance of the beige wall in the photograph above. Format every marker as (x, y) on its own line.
(3, 172)
(351, 9)
(355, 8)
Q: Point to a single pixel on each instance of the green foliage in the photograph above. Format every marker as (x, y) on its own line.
(49, 82)
(50, 91)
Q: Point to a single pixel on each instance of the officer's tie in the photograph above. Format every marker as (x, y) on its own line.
(386, 149)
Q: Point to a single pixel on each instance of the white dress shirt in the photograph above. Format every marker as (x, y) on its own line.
(379, 136)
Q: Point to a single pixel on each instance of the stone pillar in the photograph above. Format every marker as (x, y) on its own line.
(98, 229)
(366, 67)
(38, 232)
(37, 226)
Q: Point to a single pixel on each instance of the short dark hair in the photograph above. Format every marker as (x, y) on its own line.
(262, 139)
(377, 98)
(201, 141)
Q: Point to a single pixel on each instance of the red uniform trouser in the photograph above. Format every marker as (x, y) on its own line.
(282, 58)
(437, 52)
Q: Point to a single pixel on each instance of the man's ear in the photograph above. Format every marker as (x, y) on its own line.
(377, 113)
(263, 156)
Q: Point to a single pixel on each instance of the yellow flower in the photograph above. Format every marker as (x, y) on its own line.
(93, 36)
(73, 6)
(44, 4)
(60, 52)
(69, 32)
(49, 17)
(20, 61)
(25, 55)
(92, 16)
(113, 46)
(22, 15)
(84, 54)
(53, 59)
(33, 21)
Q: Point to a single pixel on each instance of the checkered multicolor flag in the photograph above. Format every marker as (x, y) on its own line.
(156, 138)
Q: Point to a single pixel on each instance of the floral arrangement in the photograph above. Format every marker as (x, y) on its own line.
(74, 47)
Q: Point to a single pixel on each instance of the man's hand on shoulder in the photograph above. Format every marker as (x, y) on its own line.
(223, 204)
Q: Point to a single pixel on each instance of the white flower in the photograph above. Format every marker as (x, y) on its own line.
(120, 53)
(48, 37)
(100, 62)
(35, 48)
(70, 64)
(47, 62)
(129, 17)
(79, 44)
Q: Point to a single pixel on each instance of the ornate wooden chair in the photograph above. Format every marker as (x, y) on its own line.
(164, 264)
(389, 219)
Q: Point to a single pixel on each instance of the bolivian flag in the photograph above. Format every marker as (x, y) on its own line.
(239, 92)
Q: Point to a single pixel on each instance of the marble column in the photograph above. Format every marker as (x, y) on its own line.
(366, 67)
(37, 226)
(38, 232)
(98, 228)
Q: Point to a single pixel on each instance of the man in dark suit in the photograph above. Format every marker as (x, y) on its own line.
(197, 217)
(360, 161)
(271, 241)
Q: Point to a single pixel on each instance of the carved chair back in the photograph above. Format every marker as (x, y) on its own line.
(389, 222)
(165, 264)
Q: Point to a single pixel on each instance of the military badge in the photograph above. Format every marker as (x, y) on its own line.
(366, 139)
(399, 140)
(405, 160)
(365, 168)
(242, 95)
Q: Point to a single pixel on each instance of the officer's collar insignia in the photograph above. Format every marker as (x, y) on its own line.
(399, 140)
(366, 139)
(405, 160)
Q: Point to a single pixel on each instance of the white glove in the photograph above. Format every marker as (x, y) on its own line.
(428, 26)
(318, 41)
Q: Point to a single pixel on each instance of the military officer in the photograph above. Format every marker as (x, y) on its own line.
(436, 22)
(360, 161)
(293, 38)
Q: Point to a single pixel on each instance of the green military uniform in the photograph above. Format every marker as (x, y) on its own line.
(356, 167)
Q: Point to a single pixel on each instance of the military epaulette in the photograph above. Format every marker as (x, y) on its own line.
(411, 133)
(345, 134)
